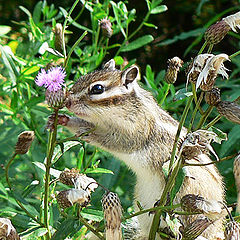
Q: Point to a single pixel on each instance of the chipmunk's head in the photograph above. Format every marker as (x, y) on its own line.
(102, 94)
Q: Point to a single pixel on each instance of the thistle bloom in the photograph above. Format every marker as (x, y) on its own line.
(52, 80)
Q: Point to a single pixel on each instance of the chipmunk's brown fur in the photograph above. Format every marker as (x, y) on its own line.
(127, 122)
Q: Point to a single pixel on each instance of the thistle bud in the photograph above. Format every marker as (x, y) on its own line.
(24, 142)
(69, 197)
(174, 65)
(106, 27)
(229, 110)
(212, 97)
(7, 230)
(216, 32)
(232, 231)
(58, 32)
(112, 214)
(236, 171)
(55, 99)
(196, 228)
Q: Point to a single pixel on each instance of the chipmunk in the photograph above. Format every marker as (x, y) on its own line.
(122, 118)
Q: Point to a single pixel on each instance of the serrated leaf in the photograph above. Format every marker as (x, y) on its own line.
(138, 43)
(159, 9)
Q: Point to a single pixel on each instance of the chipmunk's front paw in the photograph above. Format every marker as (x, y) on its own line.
(62, 120)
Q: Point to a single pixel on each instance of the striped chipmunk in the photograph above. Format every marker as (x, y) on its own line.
(127, 122)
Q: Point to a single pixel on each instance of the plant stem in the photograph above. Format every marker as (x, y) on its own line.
(72, 48)
(205, 164)
(90, 227)
(210, 48)
(172, 177)
(64, 27)
(234, 55)
(195, 111)
(50, 150)
(165, 95)
(213, 122)
(202, 48)
(204, 117)
(10, 187)
(166, 208)
(195, 98)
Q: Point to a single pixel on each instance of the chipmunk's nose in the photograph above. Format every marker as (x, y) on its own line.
(68, 103)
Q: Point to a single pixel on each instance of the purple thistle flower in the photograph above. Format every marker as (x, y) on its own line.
(52, 80)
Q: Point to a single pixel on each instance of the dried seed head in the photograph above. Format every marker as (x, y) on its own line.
(232, 231)
(69, 197)
(58, 32)
(233, 21)
(112, 214)
(196, 228)
(174, 65)
(205, 68)
(79, 180)
(197, 204)
(229, 110)
(216, 32)
(213, 97)
(55, 99)
(106, 27)
(236, 171)
(7, 230)
(24, 142)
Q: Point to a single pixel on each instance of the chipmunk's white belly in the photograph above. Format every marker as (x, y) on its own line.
(148, 188)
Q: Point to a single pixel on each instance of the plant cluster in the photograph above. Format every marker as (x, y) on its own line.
(44, 188)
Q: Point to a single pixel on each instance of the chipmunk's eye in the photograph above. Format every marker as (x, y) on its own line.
(97, 89)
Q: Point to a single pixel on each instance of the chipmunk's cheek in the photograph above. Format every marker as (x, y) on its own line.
(68, 103)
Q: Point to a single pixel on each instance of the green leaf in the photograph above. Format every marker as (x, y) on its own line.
(178, 183)
(118, 60)
(26, 11)
(137, 43)
(150, 25)
(68, 226)
(14, 100)
(4, 29)
(159, 9)
(33, 233)
(37, 12)
(30, 70)
(92, 214)
(98, 170)
(221, 136)
(181, 94)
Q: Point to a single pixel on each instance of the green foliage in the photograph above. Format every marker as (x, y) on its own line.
(32, 47)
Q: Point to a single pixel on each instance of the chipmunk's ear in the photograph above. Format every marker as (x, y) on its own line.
(130, 74)
(110, 65)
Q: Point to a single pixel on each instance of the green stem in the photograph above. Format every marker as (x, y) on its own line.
(165, 95)
(7, 169)
(204, 117)
(171, 178)
(64, 27)
(203, 47)
(164, 208)
(234, 55)
(10, 187)
(183, 118)
(195, 98)
(90, 227)
(74, 45)
(209, 163)
(50, 150)
(210, 48)
(216, 119)
(195, 111)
